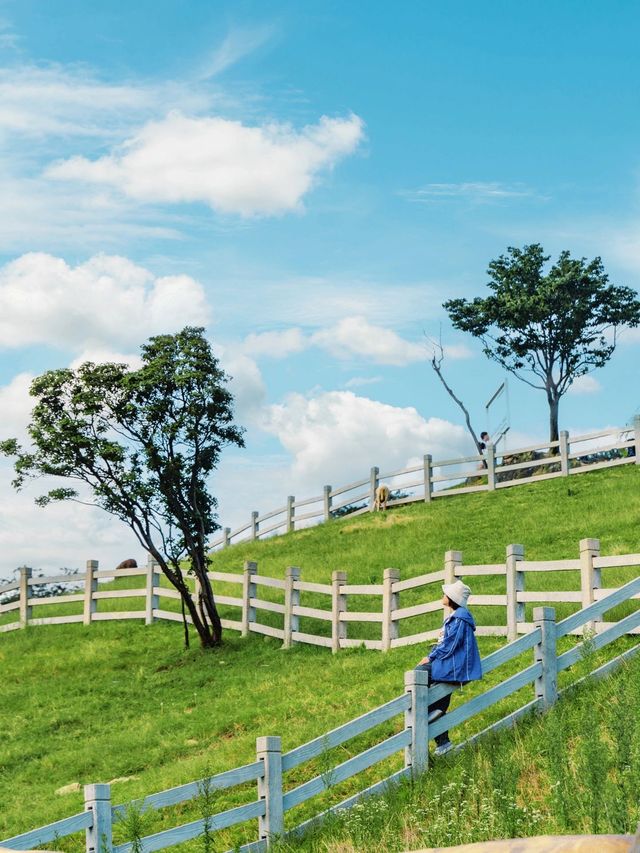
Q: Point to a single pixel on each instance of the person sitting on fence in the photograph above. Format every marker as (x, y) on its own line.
(455, 659)
(382, 496)
(482, 464)
(485, 441)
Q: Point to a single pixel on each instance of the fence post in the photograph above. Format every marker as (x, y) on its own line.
(226, 537)
(590, 578)
(515, 584)
(25, 608)
(636, 435)
(153, 580)
(491, 466)
(97, 800)
(254, 524)
(248, 592)
(452, 561)
(338, 606)
(291, 600)
(271, 824)
(326, 495)
(564, 452)
(428, 474)
(374, 482)
(416, 754)
(545, 653)
(90, 586)
(390, 601)
(290, 514)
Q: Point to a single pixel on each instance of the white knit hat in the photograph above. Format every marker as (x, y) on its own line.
(458, 592)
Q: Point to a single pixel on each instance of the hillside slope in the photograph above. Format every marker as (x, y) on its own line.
(548, 518)
(123, 700)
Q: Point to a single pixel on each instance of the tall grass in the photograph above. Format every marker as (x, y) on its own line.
(573, 770)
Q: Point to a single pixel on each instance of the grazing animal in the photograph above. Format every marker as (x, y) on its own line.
(382, 496)
(127, 564)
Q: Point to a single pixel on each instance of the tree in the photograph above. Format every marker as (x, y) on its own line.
(437, 358)
(142, 444)
(555, 326)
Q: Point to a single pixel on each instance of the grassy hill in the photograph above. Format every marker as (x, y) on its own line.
(549, 518)
(120, 700)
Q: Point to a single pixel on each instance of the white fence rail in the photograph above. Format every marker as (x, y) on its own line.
(330, 625)
(435, 479)
(276, 795)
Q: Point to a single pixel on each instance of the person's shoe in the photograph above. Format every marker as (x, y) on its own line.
(435, 715)
(444, 748)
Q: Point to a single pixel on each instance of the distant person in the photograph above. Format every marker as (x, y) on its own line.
(485, 441)
(482, 464)
(455, 659)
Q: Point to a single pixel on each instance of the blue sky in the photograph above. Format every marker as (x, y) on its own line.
(310, 181)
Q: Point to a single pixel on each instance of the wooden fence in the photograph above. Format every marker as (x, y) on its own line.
(276, 795)
(342, 598)
(435, 479)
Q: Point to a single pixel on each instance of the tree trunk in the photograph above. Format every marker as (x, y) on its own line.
(554, 405)
(210, 635)
(206, 592)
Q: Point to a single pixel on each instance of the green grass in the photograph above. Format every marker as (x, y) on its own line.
(123, 700)
(575, 770)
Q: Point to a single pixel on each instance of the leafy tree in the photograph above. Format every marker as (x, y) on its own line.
(143, 442)
(547, 329)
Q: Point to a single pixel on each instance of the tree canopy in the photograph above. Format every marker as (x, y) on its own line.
(547, 329)
(141, 445)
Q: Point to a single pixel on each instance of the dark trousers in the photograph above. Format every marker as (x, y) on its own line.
(440, 704)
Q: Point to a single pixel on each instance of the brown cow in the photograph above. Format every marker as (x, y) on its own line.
(127, 564)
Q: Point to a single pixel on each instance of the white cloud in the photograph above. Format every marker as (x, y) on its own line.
(457, 352)
(237, 44)
(585, 385)
(360, 381)
(105, 302)
(247, 386)
(349, 338)
(59, 100)
(475, 191)
(336, 436)
(277, 344)
(16, 405)
(355, 337)
(234, 168)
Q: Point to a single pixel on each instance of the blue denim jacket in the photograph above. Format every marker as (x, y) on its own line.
(456, 657)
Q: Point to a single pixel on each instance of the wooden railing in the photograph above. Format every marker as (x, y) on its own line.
(435, 479)
(329, 625)
(275, 795)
